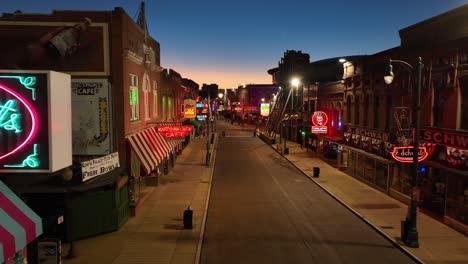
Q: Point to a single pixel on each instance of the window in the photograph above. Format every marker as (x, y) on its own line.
(464, 104)
(376, 111)
(348, 109)
(146, 93)
(388, 115)
(356, 110)
(366, 110)
(155, 99)
(164, 108)
(170, 108)
(437, 107)
(134, 105)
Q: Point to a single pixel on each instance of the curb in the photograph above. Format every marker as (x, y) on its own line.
(382, 233)
(205, 214)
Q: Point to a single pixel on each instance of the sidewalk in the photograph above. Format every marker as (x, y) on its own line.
(156, 234)
(438, 242)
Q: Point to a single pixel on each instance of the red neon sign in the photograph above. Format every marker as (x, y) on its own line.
(34, 121)
(320, 120)
(406, 154)
(174, 131)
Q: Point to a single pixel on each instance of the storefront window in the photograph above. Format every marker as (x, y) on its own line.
(365, 168)
(381, 174)
(401, 182)
(457, 197)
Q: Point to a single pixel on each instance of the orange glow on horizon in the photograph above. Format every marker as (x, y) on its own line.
(226, 78)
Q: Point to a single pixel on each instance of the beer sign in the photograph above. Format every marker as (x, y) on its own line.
(319, 121)
(406, 154)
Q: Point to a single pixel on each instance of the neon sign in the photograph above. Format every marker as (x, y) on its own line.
(10, 111)
(20, 109)
(9, 119)
(319, 121)
(406, 154)
(174, 131)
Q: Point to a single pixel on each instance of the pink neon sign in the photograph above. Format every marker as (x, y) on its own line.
(34, 121)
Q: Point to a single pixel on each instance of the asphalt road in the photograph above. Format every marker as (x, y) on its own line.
(264, 210)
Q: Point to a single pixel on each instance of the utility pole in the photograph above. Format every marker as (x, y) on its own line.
(208, 134)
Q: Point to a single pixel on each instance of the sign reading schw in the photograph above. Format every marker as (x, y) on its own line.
(99, 166)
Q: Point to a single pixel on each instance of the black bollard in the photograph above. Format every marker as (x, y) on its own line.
(316, 171)
(188, 218)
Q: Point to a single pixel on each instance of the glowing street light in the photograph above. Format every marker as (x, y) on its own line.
(410, 231)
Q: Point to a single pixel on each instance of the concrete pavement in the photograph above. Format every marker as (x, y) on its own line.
(156, 234)
(438, 242)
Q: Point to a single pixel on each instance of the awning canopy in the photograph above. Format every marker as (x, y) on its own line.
(19, 225)
(150, 147)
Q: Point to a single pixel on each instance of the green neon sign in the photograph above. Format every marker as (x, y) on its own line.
(31, 161)
(9, 119)
(27, 82)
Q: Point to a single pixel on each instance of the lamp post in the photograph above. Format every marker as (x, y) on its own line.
(410, 231)
(294, 83)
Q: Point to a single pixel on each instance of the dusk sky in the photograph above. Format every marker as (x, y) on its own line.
(235, 42)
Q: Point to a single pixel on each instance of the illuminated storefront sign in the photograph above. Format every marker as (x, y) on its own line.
(190, 110)
(174, 131)
(319, 121)
(35, 121)
(406, 154)
(265, 109)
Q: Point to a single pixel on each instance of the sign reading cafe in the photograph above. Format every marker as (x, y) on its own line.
(26, 114)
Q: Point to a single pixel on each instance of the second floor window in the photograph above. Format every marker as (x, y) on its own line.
(146, 94)
(134, 102)
(155, 99)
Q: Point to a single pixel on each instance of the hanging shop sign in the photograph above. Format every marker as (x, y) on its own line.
(96, 167)
(35, 121)
(265, 109)
(174, 131)
(406, 154)
(319, 121)
(190, 108)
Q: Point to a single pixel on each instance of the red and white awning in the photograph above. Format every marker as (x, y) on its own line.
(19, 225)
(145, 151)
(150, 147)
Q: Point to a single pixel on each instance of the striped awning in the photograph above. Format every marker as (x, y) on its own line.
(145, 151)
(150, 147)
(19, 225)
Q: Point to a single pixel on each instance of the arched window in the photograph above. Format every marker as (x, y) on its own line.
(155, 99)
(376, 111)
(356, 110)
(366, 110)
(348, 109)
(146, 93)
(388, 115)
(133, 96)
(164, 108)
(464, 104)
(437, 107)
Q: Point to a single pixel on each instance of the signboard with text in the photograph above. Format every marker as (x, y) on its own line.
(174, 132)
(96, 167)
(190, 108)
(35, 121)
(406, 154)
(319, 121)
(91, 117)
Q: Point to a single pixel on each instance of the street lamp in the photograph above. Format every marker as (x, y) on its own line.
(294, 83)
(410, 231)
